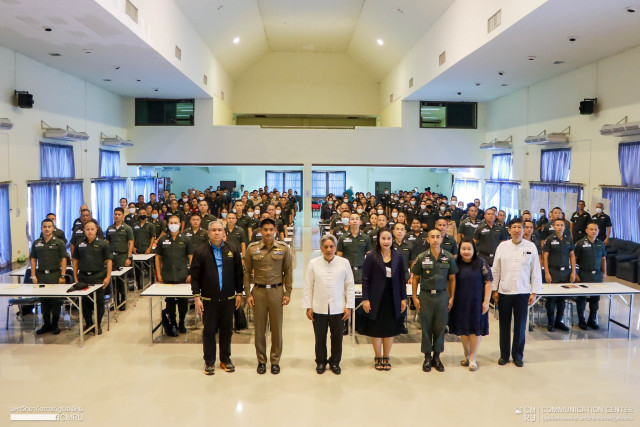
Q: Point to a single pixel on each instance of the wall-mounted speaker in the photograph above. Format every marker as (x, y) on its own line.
(24, 99)
(588, 106)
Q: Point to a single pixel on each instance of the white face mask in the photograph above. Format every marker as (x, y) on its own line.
(386, 192)
(413, 202)
(423, 207)
(224, 214)
(154, 216)
(598, 210)
(256, 212)
(278, 211)
(234, 210)
(380, 211)
(360, 211)
(461, 206)
(453, 203)
(330, 202)
(345, 221)
(132, 211)
(174, 228)
(185, 199)
(394, 214)
(442, 208)
(250, 213)
(201, 198)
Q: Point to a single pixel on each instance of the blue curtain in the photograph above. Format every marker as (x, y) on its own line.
(42, 200)
(501, 166)
(629, 161)
(56, 161)
(555, 165)
(318, 184)
(466, 190)
(144, 186)
(625, 218)
(106, 197)
(503, 195)
(109, 164)
(274, 180)
(293, 181)
(71, 198)
(337, 183)
(5, 226)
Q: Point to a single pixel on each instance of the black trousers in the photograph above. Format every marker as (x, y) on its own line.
(87, 304)
(515, 306)
(51, 310)
(555, 305)
(322, 323)
(581, 303)
(217, 317)
(183, 306)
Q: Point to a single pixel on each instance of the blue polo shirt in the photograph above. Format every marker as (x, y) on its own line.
(217, 254)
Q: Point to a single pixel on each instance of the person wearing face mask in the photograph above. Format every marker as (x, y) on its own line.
(225, 200)
(160, 224)
(456, 211)
(343, 226)
(175, 212)
(173, 256)
(411, 210)
(121, 241)
(364, 217)
(337, 217)
(223, 216)
(542, 220)
(235, 235)
(327, 210)
(144, 233)
(469, 225)
(442, 209)
(384, 297)
(384, 198)
(255, 219)
(394, 218)
(604, 223)
(130, 216)
(382, 223)
(428, 216)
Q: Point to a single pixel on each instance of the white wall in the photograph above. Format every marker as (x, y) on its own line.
(553, 105)
(60, 100)
(306, 83)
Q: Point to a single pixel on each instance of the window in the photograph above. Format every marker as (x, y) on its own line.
(503, 195)
(56, 161)
(106, 195)
(466, 190)
(564, 196)
(629, 159)
(555, 165)
(5, 226)
(323, 183)
(460, 115)
(625, 215)
(284, 180)
(63, 198)
(144, 186)
(109, 164)
(501, 166)
(164, 112)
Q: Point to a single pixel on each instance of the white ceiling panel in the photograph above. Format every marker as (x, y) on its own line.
(309, 25)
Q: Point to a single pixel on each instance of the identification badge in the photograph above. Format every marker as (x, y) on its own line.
(277, 252)
(486, 230)
(473, 225)
(166, 242)
(388, 271)
(593, 272)
(82, 245)
(348, 240)
(555, 242)
(561, 268)
(586, 245)
(39, 245)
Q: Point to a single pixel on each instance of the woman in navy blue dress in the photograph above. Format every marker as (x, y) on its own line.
(468, 317)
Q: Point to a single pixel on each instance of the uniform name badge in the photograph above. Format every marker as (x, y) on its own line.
(388, 271)
(348, 240)
(427, 261)
(277, 252)
(555, 242)
(586, 245)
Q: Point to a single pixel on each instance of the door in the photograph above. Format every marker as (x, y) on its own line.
(380, 186)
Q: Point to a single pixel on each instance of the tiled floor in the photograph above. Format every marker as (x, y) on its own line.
(120, 377)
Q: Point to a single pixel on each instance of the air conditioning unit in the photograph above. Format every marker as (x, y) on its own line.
(67, 134)
(114, 141)
(622, 128)
(544, 138)
(6, 124)
(498, 145)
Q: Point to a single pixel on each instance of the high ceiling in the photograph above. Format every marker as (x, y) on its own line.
(328, 26)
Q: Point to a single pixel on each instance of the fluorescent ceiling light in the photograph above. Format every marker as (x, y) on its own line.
(236, 40)
(380, 42)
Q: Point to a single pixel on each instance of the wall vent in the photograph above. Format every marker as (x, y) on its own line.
(495, 21)
(131, 11)
(442, 58)
(178, 53)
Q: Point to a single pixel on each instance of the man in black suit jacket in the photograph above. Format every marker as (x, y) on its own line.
(216, 283)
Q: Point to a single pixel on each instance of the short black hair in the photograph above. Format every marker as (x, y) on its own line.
(47, 220)
(515, 221)
(267, 221)
(51, 213)
(118, 210)
(91, 221)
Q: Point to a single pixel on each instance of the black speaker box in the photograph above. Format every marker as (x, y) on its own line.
(587, 107)
(24, 99)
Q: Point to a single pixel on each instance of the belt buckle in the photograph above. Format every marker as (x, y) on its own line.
(433, 291)
(46, 272)
(268, 286)
(89, 273)
(355, 268)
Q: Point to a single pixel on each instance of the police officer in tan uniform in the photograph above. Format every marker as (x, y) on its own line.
(268, 266)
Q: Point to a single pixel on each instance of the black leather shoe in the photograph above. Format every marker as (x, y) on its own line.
(123, 308)
(518, 363)
(562, 326)
(182, 329)
(593, 325)
(209, 368)
(44, 329)
(55, 330)
(275, 369)
(345, 331)
(405, 330)
(335, 369)
(583, 325)
(426, 365)
(262, 369)
(173, 332)
(502, 361)
(437, 363)
(550, 327)
(228, 366)
(99, 330)
(321, 367)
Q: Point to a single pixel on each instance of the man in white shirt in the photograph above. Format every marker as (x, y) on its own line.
(516, 281)
(329, 297)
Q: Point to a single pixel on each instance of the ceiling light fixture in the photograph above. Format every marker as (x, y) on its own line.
(532, 58)
(558, 62)
(55, 54)
(572, 38)
(48, 29)
(87, 51)
(380, 42)
(501, 73)
(631, 9)
(236, 40)
(504, 84)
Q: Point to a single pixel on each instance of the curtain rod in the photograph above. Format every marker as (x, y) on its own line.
(53, 181)
(115, 178)
(619, 186)
(504, 181)
(5, 182)
(571, 184)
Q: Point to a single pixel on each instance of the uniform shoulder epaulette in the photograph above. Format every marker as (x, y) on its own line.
(255, 243)
(281, 243)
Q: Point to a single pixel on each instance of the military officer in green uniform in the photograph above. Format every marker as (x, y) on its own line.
(469, 225)
(403, 247)
(435, 271)
(177, 212)
(343, 225)
(591, 257)
(131, 218)
(559, 261)
(243, 220)
(160, 224)
(235, 235)
(488, 236)
(416, 238)
(195, 233)
(78, 233)
(121, 240)
(92, 265)
(144, 235)
(173, 256)
(353, 246)
(58, 233)
(48, 259)
(203, 213)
